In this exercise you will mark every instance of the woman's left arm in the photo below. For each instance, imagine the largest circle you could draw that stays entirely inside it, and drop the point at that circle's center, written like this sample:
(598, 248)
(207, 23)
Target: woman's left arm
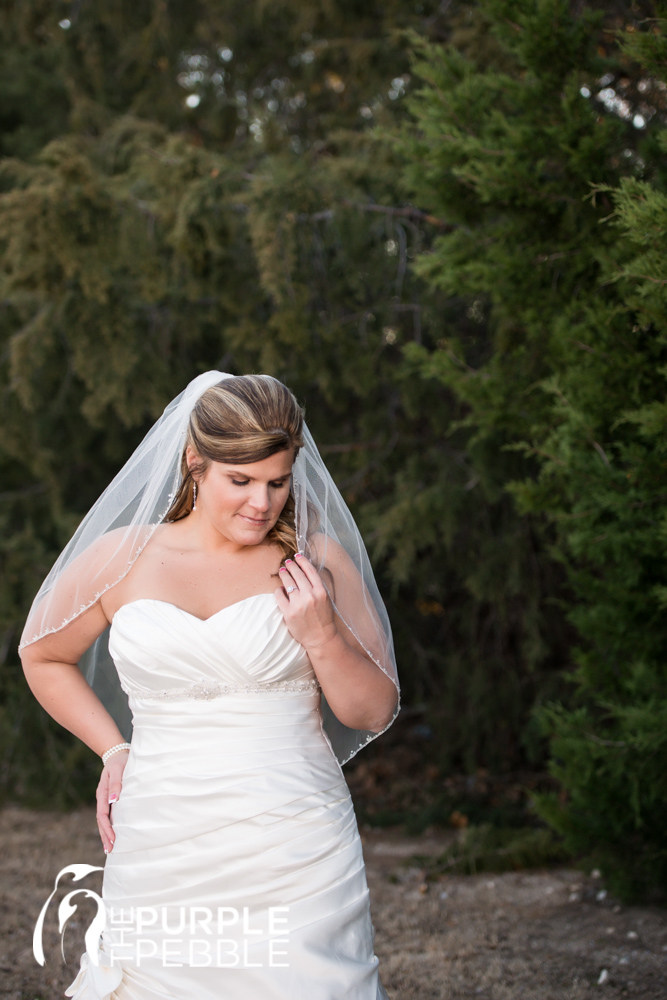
(358, 692)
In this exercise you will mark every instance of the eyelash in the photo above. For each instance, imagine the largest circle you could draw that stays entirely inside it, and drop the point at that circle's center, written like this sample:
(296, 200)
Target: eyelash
(245, 482)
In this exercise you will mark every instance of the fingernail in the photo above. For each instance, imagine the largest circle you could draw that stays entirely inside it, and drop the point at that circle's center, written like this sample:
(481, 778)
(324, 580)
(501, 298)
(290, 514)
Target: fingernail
(282, 570)
(113, 798)
(106, 850)
(298, 555)
(288, 561)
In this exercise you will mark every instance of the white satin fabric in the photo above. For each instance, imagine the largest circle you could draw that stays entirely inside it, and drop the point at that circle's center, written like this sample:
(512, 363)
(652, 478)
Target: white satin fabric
(232, 798)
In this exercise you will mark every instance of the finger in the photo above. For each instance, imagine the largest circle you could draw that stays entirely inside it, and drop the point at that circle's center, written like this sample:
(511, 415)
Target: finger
(104, 812)
(115, 785)
(105, 828)
(113, 782)
(307, 568)
(102, 793)
(302, 581)
(308, 578)
(287, 580)
(107, 835)
(281, 600)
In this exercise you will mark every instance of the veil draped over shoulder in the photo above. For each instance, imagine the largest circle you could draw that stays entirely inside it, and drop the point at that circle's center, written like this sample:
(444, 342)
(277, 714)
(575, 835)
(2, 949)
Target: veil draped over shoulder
(115, 531)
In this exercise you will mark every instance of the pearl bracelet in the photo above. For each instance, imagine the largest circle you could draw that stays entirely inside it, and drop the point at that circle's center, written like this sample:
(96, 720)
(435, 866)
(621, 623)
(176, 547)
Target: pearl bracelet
(115, 749)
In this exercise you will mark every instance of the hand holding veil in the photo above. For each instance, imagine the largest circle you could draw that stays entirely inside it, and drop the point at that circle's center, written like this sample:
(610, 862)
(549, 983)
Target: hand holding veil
(115, 531)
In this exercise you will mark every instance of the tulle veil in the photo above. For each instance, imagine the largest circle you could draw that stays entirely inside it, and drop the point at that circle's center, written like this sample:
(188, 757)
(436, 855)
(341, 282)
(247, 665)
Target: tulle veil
(115, 531)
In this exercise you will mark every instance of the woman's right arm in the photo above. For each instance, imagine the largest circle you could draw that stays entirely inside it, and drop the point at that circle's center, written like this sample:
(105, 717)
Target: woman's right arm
(51, 669)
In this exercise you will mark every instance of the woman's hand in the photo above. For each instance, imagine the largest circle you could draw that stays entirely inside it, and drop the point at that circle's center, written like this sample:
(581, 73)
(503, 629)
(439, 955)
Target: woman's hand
(305, 604)
(357, 691)
(108, 791)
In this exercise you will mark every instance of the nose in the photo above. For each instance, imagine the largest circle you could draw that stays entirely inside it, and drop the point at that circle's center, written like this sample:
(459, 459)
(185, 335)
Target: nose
(260, 500)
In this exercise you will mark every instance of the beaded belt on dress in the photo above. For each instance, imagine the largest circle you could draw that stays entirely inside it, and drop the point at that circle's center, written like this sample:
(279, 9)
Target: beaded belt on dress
(208, 689)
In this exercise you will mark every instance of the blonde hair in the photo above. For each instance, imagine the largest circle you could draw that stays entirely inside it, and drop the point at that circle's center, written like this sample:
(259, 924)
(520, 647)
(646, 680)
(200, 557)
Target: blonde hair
(241, 420)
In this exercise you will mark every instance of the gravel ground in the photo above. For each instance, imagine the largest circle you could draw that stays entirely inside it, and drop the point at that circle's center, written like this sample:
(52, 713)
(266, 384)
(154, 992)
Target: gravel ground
(542, 935)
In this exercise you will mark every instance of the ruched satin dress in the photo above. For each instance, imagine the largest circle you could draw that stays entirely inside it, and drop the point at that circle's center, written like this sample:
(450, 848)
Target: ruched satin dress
(237, 871)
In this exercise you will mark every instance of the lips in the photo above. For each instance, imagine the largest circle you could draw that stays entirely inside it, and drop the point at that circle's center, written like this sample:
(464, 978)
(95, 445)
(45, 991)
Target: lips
(257, 522)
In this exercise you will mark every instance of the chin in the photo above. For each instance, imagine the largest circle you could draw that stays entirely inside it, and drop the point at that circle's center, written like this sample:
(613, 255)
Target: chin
(252, 536)
(255, 531)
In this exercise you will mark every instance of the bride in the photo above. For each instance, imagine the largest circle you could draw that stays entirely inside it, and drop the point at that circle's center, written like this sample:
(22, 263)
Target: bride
(224, 575)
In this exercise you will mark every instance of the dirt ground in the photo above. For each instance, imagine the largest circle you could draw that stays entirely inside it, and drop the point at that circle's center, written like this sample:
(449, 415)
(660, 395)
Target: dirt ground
(539, 935)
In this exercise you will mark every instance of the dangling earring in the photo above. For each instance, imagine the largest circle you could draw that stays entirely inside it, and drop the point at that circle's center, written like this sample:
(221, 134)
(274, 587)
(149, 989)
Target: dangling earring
(194, 496)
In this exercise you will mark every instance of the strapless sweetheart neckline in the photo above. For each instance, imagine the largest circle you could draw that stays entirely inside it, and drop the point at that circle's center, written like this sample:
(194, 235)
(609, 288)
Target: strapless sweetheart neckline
(170, 604)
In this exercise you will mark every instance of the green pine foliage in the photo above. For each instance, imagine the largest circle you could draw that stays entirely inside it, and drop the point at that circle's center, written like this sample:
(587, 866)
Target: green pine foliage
(264, 228)
(610, 749)
(547, 160)
(486, 848)
(447, 232)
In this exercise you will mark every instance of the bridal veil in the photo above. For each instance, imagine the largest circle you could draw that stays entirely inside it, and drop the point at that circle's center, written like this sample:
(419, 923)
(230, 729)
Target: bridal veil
(115, 531)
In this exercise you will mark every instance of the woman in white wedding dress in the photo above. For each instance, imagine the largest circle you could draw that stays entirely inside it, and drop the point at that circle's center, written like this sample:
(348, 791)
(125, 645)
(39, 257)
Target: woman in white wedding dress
(234, 868)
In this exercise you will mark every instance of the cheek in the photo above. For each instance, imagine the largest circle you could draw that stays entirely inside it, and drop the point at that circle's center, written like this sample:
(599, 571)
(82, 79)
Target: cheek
(279, 502)
(226, 499)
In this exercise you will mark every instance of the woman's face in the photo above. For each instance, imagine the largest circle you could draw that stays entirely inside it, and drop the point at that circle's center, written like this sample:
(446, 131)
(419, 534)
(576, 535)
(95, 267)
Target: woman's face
(243, 502)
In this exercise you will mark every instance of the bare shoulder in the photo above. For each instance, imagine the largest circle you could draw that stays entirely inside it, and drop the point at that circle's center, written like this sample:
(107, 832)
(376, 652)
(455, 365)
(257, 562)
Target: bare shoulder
(169, 535)
(324, 551)
(72, 613)
(109, 559)
(334, 565)
(115, 547)
(331, 559)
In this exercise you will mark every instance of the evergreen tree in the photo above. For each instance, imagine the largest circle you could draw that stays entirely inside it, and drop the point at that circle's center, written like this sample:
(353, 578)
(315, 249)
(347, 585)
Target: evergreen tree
(547, 159)
(471, 314)
(218, 200)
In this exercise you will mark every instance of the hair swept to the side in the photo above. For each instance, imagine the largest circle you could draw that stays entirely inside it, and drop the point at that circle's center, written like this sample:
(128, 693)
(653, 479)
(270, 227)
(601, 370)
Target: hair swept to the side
(240, 420)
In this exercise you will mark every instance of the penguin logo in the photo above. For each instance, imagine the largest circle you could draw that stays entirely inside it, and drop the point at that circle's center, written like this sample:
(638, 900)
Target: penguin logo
(67, 909)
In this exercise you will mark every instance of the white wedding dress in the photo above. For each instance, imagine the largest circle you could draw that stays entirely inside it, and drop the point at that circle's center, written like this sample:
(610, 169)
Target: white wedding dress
(237, 871)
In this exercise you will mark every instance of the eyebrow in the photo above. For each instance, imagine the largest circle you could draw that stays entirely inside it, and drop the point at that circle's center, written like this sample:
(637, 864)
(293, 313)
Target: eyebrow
(244, 475)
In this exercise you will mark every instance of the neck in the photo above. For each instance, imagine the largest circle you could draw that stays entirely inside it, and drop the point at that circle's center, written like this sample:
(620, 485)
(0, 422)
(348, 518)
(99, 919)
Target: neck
(197, 532)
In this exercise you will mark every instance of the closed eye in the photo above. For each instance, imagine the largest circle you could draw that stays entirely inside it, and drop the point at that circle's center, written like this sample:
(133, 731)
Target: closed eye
(244, 482)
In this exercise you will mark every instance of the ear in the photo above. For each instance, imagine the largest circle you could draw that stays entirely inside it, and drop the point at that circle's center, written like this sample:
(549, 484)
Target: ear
(192, 458)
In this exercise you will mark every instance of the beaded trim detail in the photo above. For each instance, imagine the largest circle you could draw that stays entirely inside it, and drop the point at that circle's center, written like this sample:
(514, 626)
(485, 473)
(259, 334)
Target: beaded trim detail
(84, 607)
(208, 690)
